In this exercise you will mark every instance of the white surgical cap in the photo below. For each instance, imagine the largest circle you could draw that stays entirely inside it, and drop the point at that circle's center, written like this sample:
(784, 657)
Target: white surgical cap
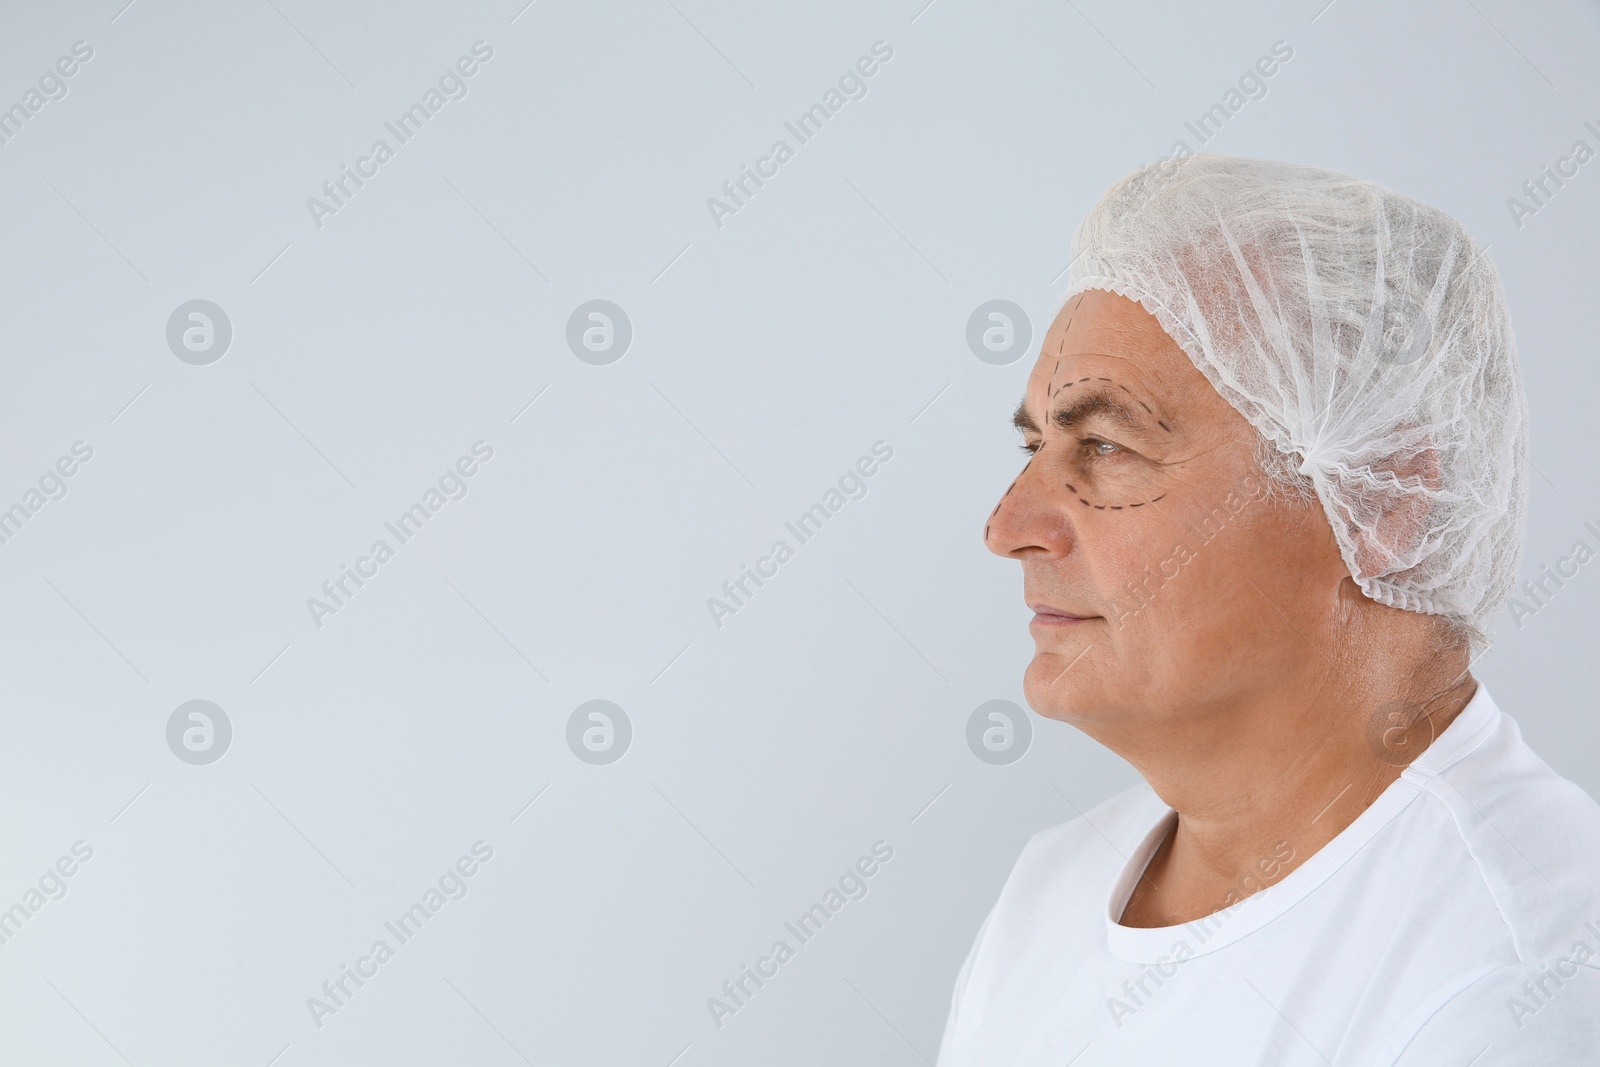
(1357, 329)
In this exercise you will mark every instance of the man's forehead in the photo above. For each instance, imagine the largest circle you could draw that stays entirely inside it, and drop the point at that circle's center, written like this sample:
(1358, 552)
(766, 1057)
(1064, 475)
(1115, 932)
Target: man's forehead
(1054, 374)
(1136, 355)
(1109, 325)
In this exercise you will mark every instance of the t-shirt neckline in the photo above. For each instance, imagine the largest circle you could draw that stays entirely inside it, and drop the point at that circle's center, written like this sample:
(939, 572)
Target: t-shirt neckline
(1222, 928)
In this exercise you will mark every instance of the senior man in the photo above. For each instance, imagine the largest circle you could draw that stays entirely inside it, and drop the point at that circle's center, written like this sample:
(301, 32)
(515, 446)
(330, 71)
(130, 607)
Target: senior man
(1276, 496)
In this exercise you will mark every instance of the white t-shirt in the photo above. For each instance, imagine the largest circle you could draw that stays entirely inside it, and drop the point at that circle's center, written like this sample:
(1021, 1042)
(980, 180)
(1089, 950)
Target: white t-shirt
(1456, 921)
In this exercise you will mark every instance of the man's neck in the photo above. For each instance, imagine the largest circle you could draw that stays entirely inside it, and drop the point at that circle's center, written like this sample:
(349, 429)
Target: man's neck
(1268, 788)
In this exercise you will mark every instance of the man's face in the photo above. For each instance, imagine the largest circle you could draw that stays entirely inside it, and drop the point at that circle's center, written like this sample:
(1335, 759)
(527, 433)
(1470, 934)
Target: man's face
(1164, 580)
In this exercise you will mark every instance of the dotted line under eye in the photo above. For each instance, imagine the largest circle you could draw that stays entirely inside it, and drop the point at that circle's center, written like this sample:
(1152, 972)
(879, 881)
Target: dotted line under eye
(1071, 488)
(1112, 507)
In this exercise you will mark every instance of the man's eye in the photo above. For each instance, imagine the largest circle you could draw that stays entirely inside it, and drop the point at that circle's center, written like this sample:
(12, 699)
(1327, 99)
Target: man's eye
(1093, 445)
(1098, 447)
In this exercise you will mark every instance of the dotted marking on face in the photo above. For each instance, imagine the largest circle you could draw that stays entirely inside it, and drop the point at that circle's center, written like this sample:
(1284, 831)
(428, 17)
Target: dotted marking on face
(1115, 507)
(1131, 395)
(1061, 344)
(1053, 389)
(1005, 494)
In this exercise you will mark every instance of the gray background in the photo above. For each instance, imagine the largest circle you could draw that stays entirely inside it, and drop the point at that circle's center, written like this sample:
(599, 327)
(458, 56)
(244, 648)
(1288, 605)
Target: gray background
(767, 356)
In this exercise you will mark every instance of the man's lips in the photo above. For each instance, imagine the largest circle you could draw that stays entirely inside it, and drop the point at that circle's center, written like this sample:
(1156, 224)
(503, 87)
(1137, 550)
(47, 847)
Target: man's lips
(1050, 615)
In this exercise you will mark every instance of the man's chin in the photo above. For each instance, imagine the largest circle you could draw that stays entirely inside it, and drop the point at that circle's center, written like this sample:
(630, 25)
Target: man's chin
(1063, 684)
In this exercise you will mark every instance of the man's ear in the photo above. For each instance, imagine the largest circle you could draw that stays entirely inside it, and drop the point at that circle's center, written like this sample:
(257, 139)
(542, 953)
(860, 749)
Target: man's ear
(1395, 526)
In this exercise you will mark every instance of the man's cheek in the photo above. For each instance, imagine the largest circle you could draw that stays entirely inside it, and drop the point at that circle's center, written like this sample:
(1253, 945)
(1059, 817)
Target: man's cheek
(1122, 559)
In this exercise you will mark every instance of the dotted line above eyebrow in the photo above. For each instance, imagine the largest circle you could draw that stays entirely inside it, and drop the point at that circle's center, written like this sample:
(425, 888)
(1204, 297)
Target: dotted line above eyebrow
(1092, 378)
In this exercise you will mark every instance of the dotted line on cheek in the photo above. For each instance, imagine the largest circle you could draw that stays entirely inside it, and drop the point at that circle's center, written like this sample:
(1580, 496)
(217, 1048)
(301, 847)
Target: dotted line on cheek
(1115, 507)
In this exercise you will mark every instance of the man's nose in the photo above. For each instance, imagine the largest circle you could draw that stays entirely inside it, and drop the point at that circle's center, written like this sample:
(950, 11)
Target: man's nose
(1031, 519)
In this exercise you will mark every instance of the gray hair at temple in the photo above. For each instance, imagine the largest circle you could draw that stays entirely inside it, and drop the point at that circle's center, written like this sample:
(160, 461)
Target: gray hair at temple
(1365, 337)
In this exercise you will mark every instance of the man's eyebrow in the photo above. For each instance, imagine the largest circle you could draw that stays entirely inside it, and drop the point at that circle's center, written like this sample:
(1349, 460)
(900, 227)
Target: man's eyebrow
(1081, 408)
